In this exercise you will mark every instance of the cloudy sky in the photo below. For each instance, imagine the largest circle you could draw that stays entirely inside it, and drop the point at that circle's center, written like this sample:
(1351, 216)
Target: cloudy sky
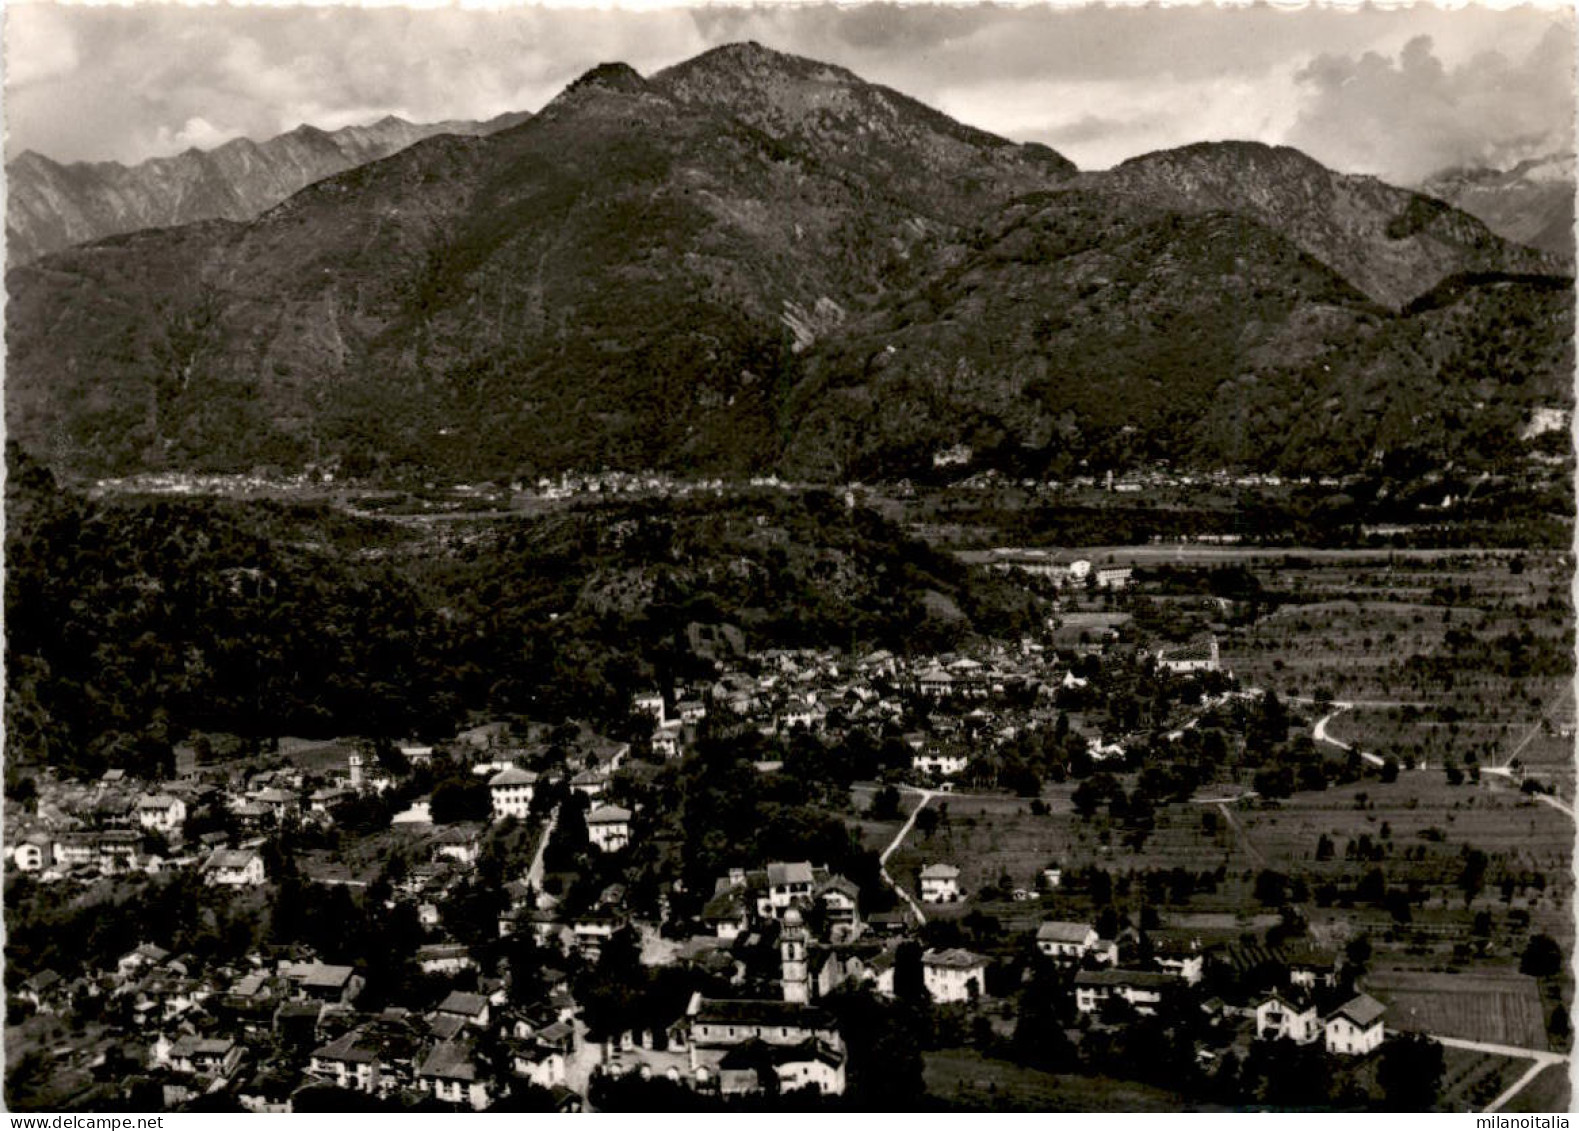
(1399, 92)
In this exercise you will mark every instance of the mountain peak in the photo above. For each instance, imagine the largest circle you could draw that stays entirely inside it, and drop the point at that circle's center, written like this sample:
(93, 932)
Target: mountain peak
(620, 77)
(749, 63)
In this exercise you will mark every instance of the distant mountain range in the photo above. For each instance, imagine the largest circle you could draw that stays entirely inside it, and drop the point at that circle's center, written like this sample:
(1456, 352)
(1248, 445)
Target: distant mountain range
(755, 261)
(1532, 203)
(51, 206)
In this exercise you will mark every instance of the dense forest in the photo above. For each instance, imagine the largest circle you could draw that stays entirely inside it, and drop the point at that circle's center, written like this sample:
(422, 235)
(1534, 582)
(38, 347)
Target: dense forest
(133, 623)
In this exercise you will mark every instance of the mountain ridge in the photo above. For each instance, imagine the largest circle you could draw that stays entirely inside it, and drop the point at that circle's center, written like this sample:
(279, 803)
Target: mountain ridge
(704, 269)
(53, 205)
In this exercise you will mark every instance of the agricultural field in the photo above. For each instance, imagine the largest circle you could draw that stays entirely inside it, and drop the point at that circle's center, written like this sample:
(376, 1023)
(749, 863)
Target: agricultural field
(1551, 1090)
(1471, 1080)
(1467, 657)
(990, 837)
(967, 1079)
(1498, 1007)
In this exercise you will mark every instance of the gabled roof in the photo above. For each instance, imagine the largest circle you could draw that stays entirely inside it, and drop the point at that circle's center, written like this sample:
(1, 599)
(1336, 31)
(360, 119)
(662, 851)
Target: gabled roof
(940, 872)
(231, 858)
(743, 1011)
(797, 873)
(1140, 979)
(513, 776)
(449, 1060)
(463, 1004)
(354, 1047)
(953, 959)
(160, 801)
(1056, 930)
(608, 815)
(1363, 1010)
(320, 975)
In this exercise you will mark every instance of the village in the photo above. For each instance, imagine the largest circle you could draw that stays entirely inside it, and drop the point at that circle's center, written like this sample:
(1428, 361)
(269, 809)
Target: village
(726, 989)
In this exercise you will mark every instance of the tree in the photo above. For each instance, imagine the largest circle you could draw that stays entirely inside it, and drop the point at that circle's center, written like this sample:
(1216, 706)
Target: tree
(1086, 797)
(1473, 876)
(1410, 1072)
(1543, 958)
(1271, 887)
(909, 985)
(885, 805)
(457, 800)
(1390, 769)
(927, 822)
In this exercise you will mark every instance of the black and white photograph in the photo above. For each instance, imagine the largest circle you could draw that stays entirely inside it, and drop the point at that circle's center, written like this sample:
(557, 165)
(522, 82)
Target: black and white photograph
(809, 558)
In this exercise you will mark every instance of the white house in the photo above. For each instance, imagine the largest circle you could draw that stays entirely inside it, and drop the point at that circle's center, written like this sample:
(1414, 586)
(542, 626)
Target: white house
(609, 827)
(1356, 1028)
(944, 764)
(939, 883)
(954, 975)
(161, 812)
(1142, 989)
(32, 855)
(450, 1074)
(512, 793)
(1200, 656)
(1065, 940)
(666, 740)
(788, 885)
(649, 703)
(1287, 1017)
(234, 868)
(1114, 577)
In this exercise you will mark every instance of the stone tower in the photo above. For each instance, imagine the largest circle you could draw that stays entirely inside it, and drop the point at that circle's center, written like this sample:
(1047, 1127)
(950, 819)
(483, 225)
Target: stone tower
(792, 951)
(356, 769)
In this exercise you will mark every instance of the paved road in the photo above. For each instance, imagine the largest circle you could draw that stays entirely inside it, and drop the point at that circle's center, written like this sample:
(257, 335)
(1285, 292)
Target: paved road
(1542, 1059)
(1544, 798)
(534, 871)
(1319, 733)
(899, 838)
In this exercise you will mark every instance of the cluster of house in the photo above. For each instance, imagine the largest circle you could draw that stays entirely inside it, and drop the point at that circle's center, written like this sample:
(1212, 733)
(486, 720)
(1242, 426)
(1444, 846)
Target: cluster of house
(1313, 1004)
(234, 1029)
(984, 691)
(111, 828)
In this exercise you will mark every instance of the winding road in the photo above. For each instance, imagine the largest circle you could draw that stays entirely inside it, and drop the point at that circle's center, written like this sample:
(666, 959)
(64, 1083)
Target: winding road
(899, 838)
(1541, 1060)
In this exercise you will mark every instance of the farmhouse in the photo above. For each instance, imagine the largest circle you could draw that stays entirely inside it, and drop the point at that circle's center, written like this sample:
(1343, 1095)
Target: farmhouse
(1142, 989)
(1287, 1017)
(1065, 940)
(609, 827)
(942, 763)
(939, 883)
(161, 812)
(511, 791)
(1116, 577)
(319, 981)
(789, 885)
(1199, 656)
(234, 868)
(953, 975)
(1356, 1028)
(450, 1074)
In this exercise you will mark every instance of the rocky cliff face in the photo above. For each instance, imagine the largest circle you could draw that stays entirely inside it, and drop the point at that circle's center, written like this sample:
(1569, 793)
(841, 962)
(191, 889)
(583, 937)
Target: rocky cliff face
(52, 206)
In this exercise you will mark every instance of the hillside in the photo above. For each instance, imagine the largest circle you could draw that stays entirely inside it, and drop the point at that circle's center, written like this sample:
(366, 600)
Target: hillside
(704, 271)
(51, 205)
(1392, 244)
(1531, 203)
(1090, 332)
